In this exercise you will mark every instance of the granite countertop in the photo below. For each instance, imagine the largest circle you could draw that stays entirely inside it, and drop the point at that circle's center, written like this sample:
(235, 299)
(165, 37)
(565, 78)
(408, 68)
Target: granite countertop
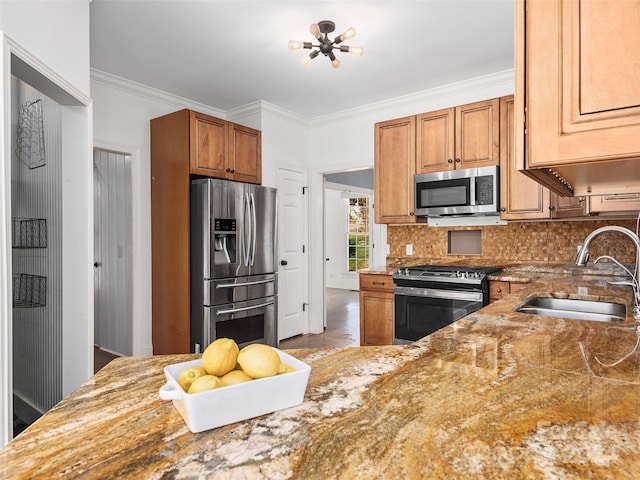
(498, 394)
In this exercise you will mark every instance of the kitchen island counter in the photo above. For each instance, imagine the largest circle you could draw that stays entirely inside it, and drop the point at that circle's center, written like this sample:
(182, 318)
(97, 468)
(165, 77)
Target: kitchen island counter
(498, 394)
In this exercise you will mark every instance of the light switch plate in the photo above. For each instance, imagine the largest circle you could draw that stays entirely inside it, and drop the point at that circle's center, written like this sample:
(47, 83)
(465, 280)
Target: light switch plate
(409, 249)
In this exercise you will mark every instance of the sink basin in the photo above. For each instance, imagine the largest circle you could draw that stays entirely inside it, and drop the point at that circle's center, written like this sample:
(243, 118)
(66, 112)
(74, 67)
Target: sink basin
(575, 309)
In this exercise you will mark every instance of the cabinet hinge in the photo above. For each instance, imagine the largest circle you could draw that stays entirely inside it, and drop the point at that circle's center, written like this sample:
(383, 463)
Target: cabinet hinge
(304, 190)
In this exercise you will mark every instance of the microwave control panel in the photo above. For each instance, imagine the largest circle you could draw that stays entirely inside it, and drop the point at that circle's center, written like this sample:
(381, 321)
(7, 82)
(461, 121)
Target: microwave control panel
(484, 190)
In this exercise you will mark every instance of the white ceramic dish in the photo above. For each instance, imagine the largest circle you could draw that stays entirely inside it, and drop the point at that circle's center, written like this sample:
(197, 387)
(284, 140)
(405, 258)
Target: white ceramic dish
(221, 406)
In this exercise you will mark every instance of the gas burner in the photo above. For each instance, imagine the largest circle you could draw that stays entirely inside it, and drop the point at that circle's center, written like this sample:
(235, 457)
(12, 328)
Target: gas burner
(444, 273)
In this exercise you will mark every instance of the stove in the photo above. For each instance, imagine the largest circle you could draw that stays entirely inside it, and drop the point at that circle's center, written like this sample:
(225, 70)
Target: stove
(455, 274)
(430, 297)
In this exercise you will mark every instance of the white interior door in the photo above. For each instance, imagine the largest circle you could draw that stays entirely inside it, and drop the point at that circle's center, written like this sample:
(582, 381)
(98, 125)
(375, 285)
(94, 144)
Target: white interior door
(292, 279)
(112, 251)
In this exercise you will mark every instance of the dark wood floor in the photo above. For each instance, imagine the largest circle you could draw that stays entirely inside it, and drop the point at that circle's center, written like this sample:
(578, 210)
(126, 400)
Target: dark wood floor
(343, 323)
(101, 358)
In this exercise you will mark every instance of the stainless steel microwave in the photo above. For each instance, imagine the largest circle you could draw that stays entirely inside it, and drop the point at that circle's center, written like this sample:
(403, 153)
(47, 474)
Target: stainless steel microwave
(469, 191)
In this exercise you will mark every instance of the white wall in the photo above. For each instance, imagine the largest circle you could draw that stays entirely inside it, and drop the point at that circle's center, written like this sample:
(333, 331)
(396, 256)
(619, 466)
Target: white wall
(54, 31)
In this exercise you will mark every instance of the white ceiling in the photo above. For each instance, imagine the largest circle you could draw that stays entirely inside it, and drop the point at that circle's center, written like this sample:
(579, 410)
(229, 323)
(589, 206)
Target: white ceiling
(227, 54)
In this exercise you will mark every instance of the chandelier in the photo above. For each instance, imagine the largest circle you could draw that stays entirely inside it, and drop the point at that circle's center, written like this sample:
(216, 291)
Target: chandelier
(326, 46)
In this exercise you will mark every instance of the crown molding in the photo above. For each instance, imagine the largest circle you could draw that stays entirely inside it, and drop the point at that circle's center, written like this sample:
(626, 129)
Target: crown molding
(498, 80)
(260, 107)
(504, 80)
(151, 93)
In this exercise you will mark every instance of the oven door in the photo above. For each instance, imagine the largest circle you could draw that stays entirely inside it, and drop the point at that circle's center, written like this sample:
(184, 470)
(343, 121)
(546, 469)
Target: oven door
(421, 311)
(247, 322)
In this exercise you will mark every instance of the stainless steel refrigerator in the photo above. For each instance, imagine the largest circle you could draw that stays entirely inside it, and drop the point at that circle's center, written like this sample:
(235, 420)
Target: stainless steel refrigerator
(234, 287)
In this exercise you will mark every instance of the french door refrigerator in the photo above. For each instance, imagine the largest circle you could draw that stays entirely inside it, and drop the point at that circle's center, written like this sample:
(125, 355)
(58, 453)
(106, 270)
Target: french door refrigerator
(234, 287)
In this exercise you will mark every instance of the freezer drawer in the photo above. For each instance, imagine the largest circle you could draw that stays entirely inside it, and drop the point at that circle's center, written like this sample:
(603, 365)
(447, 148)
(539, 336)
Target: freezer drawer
(238, 289)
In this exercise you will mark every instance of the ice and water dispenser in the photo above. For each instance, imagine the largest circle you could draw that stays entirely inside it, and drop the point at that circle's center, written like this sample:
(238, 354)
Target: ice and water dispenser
(224, 241)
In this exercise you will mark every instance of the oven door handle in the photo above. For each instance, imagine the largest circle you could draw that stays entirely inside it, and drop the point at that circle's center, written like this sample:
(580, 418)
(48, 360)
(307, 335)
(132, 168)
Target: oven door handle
(244, 309)
(245, 284)
(435, 293)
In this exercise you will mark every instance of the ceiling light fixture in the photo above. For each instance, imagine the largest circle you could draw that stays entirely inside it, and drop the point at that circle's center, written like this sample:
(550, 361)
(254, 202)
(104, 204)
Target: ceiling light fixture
(321, 31)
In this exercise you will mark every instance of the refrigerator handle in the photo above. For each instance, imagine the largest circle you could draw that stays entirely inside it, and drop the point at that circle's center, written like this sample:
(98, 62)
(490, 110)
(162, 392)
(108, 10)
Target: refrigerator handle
(246, 248)
(255, 228)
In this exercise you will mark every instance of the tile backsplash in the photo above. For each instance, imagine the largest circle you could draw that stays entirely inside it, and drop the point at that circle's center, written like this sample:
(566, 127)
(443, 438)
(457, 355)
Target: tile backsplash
(518, 241)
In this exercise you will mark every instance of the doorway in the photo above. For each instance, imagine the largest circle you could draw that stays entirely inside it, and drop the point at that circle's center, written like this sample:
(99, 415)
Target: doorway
(352, 241)
(112, 189)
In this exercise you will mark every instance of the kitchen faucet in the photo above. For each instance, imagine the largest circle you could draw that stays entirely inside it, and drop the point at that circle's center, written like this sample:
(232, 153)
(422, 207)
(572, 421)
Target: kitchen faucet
(583, 258)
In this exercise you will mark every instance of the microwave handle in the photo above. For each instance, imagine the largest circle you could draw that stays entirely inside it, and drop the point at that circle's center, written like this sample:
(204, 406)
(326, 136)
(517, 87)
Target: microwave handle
(473, 191)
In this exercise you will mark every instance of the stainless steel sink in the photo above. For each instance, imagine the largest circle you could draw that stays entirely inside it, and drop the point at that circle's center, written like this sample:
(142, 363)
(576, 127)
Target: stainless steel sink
(575, 309)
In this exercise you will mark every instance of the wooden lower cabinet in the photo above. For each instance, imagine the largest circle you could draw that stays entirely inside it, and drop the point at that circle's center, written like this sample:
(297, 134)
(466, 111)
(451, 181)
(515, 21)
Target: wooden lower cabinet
(498, 289)
(376, 309)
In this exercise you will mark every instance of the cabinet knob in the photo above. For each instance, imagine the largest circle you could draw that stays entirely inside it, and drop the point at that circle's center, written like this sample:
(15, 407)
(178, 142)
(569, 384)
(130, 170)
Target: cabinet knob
(378, 283)
(233, 171)
(457, 160)
(450, 161)
(228, 170)
(503, 209)
(411, 214)
(552, 208)
(499, 290)
(283, 262)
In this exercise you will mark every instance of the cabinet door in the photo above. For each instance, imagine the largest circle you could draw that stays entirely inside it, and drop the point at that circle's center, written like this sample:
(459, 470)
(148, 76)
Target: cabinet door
(208, 145)
(394, 168)
(478, 134)
(435, 141)
(521, 197)
(578, 81)
(245, 155)
(567, 207)
(615, 203)
(376, 318)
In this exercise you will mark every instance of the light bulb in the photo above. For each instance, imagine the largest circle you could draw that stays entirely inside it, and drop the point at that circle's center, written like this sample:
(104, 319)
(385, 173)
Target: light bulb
(315, 31)
(336, 63)
(348, 33)
(295, 45)
(358, 51)
(308, 58)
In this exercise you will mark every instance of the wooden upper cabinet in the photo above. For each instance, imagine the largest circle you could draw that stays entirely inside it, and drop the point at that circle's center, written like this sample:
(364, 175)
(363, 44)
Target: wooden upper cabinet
(394, 168)
(435, 140)
(208, 140)
(224, 149)
(521, 197)
(467, 136)
(621, 203)
(245, 154)
(577, 80)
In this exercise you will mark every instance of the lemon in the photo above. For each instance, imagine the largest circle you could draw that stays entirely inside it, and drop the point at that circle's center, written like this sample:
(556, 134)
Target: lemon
(235, 376)
(220, 357)
(259, 361)
(188, 375)
(285, 368)
(204, 383)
